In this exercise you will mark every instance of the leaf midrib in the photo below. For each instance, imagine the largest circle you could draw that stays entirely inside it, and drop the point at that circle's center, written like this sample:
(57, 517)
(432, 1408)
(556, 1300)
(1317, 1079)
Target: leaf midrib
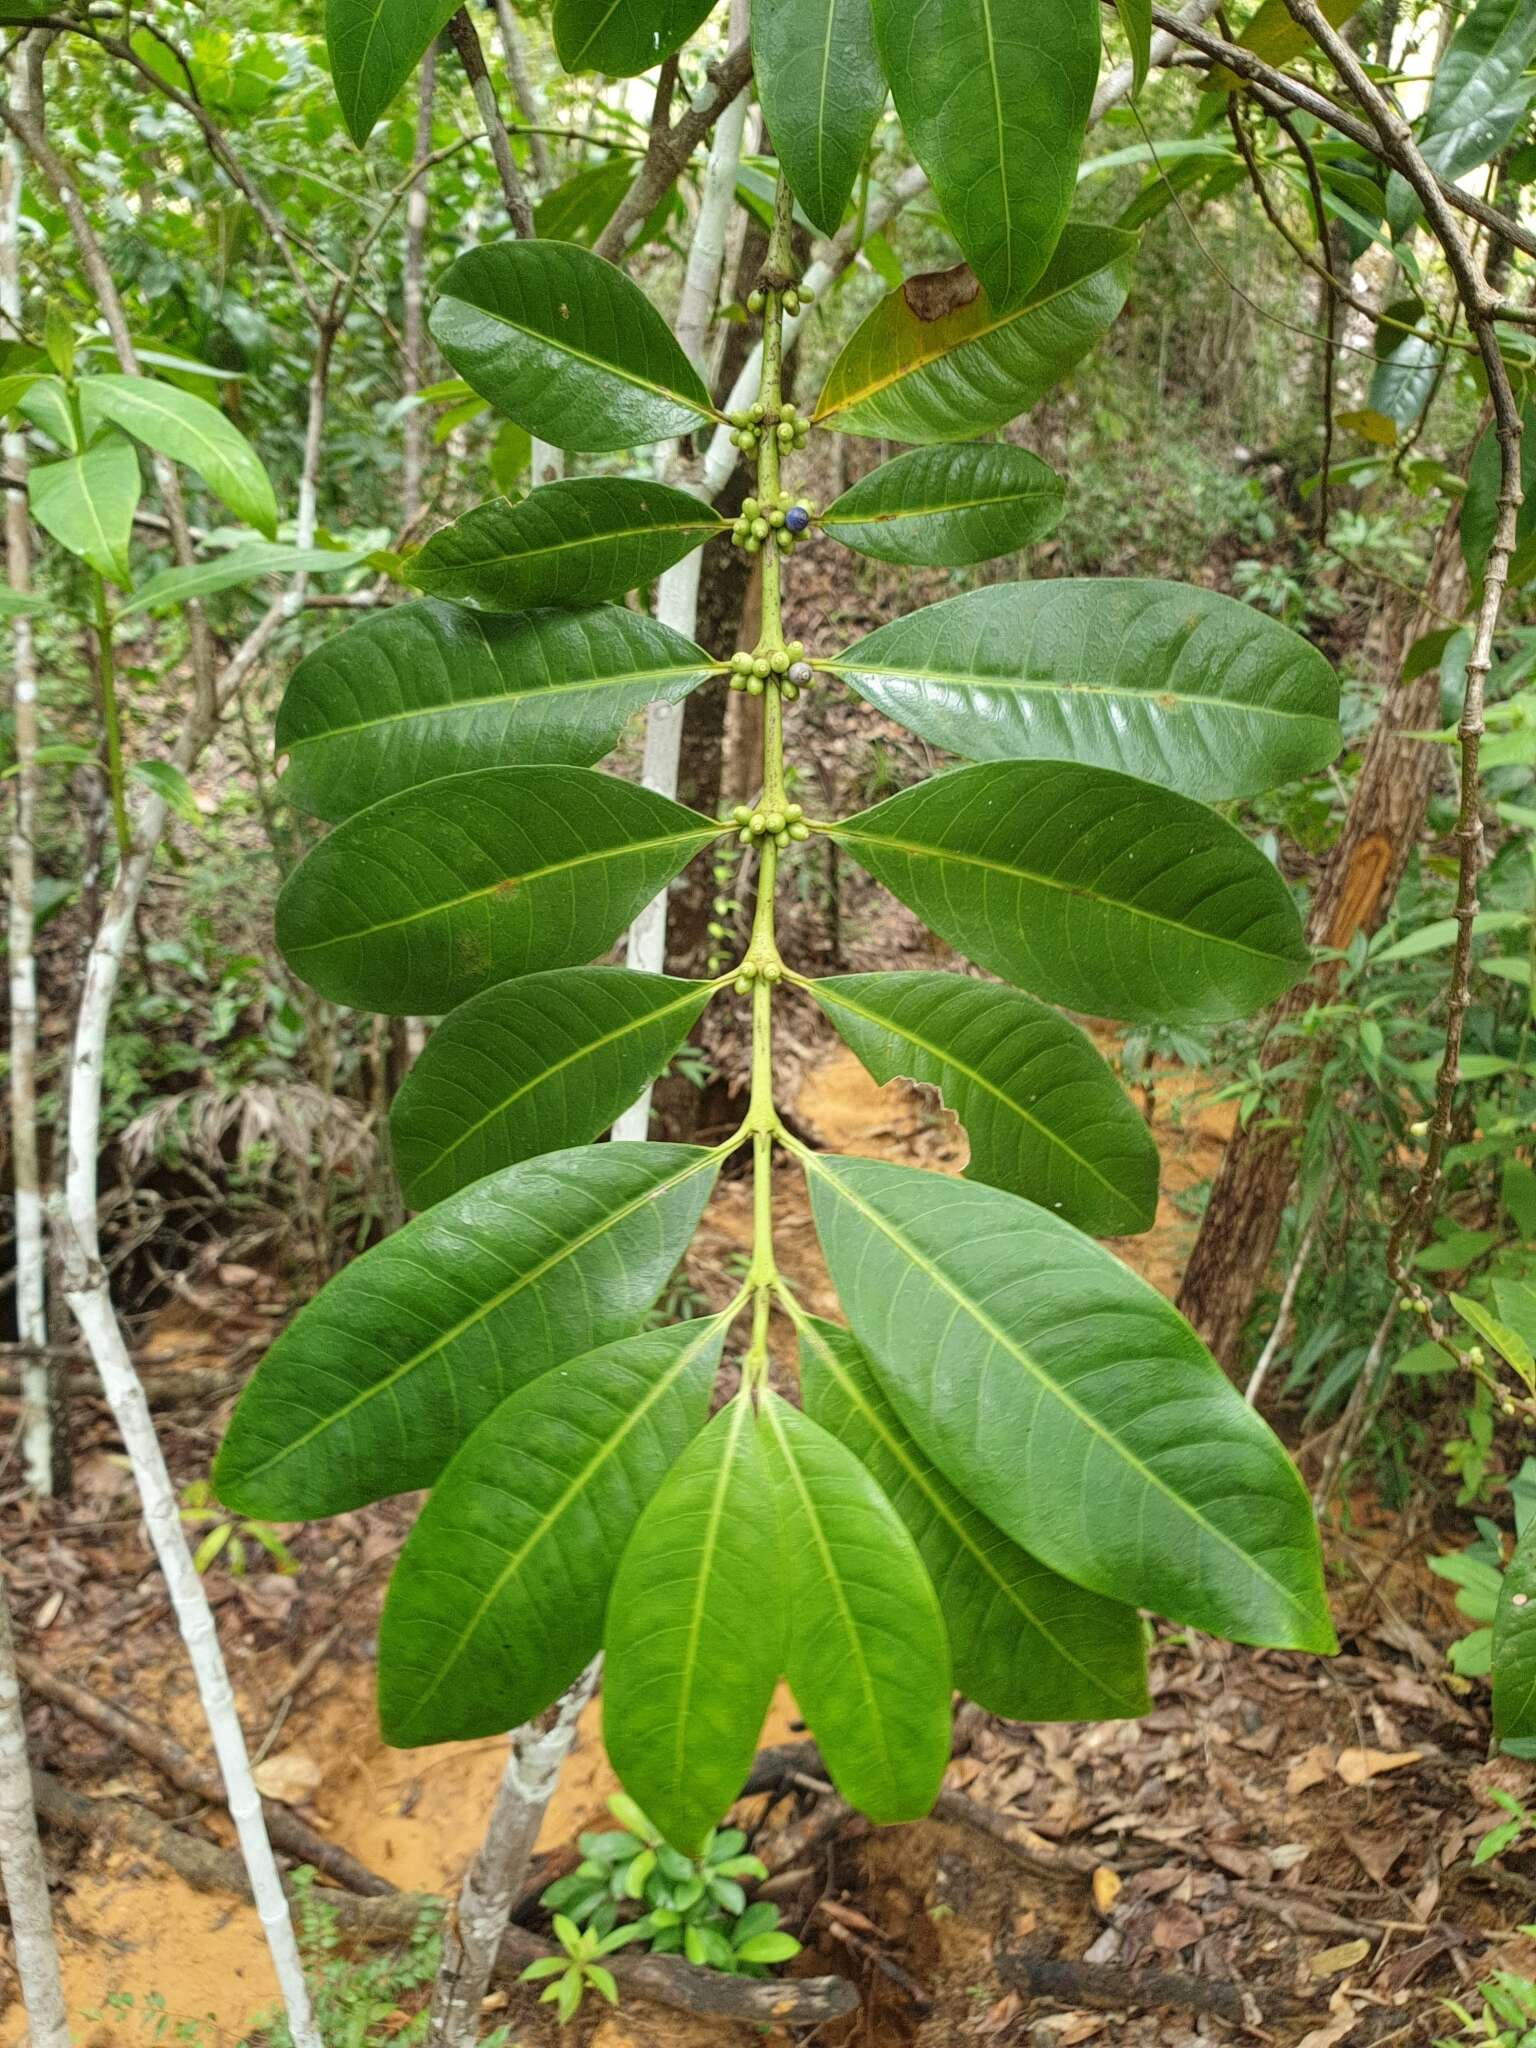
(855, 1396)
(568, 1249)
(916, 850)
(1170, 700)
(969, 1073)
(832, 517)
(1050, 1387)
(706, 1555)
(705, 523)
(609, 1448)
(561, 867)
(580, 355)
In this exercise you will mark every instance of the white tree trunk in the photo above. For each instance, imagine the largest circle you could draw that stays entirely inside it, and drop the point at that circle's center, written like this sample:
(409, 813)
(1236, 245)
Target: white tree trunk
(473, 1931)
(37, 1446)
(21, 1863)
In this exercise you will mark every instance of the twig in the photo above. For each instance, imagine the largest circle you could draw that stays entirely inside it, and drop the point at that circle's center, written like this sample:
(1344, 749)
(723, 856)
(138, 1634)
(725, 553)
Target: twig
(1282, 1329)
(472, 57)
(286, 1828)
(1065, 1866)
(21, 1865)
(670, 149)
(1109, 1986)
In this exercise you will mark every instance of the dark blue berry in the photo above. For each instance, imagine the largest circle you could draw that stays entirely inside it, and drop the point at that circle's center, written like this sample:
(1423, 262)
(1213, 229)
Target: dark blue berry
(797, 519)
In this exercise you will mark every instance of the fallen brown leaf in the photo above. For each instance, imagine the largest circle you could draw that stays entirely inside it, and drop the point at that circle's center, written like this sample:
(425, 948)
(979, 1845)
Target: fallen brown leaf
(1332, 1962)
(1313, 1768)
(1106, 1889)
(1355, 1766)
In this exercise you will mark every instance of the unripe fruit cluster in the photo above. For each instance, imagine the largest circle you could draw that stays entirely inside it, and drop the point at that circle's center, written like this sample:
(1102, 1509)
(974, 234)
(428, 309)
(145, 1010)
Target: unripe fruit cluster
(794, 297)
(779, 826)
(750, 672)
(783, 521)
(772, 971)
(789, 428)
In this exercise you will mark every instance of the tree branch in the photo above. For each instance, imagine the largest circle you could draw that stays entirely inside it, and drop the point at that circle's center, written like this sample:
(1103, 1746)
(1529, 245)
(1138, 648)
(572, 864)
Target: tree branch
(671, 148)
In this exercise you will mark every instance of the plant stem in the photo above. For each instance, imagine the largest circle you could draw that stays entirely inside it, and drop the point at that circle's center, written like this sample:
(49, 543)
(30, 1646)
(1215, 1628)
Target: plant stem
(107, 670)
(762, 958)
(22, 1867)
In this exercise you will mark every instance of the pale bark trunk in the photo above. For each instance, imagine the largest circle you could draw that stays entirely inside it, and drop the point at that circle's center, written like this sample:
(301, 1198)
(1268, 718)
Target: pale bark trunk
(40, 1461)
(525, 92)
(21, 1863)
(473, 1931)
(1386, 813)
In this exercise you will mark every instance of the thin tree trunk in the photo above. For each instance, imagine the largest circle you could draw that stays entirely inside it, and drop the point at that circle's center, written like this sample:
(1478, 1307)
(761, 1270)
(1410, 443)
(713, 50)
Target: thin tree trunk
(525, 92)
(41, 1462)
(413, 325)
(1385, 816)
(473, 1930)
(21, 1863)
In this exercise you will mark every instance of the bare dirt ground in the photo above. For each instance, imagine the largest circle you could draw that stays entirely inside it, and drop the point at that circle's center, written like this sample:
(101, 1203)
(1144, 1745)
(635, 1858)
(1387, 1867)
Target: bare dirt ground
(1293, 1834)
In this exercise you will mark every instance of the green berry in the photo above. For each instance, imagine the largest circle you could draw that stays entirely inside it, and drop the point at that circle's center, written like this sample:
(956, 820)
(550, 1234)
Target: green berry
(749, 508)
(788, 692)
(759, 822)
(754, 686)
(774, 820)
(781, 840)
(750, 546)
(786, 541)
(743, 986)
(796, 650)
(772, 971)
(794, 813)
(761, 529)
(761, 666)
(807, 296)
(755, 410)
(742, 813)
(754, 302)
(745, 835)
(799, 831)
(778, 661)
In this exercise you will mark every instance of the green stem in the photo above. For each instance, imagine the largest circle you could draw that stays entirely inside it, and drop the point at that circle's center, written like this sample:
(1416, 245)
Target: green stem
(107, 668)
(762, 957)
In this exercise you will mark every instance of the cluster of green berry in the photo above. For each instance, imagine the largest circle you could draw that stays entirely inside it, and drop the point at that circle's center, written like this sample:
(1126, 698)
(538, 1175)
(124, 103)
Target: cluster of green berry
(750, 672)
(772, 971)
(779, 826)
(782, 522)
(792, 299)
(789, 427)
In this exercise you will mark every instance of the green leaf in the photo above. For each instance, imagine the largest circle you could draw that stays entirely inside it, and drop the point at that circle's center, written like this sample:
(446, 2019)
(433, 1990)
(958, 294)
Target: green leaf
(822, 89)
(867, 1658)
(531, 1066)
(170, 785)
(15, 604)
(498, 1598)
(1479, 93)
(421, 901)
(188, 430)
(374, 46)
(244, 564)
(571, 543)
(695, 1635)
(949, 506)
(994, 96)
(1088, 888)
(1045, 1116)
(623, 37)
(372, 1388)
(45, 402)
(1480, 507)
(87, 503)
(935, 361)
(424, 690)
(1027, 1643)
(1136, 20)
(1499, 1336)
(1276, 37)
(1514, 1646)
(1071, 1403)
(567, 346)
(773, 1947)
(1436, 936)
(1181, 686)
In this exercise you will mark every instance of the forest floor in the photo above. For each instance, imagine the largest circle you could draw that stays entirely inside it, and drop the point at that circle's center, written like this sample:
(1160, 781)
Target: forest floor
(1298, 1829)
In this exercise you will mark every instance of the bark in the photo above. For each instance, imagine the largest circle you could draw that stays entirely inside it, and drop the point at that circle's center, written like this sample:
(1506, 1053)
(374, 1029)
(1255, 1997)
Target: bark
(475, 1929)
(526, 93)
(1386, 810)
(42, 1460)
(513, 191)
(413, 322)
(21, 1864)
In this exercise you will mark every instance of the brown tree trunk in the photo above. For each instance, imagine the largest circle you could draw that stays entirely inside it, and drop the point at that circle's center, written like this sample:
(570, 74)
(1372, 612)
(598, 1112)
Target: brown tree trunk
(1386, 812)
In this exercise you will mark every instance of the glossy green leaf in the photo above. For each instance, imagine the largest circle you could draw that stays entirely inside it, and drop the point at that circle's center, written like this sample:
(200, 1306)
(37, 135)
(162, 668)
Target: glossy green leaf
(994, 96)
(935, 361)
(45, 402)
(1136, 20)
(419, 902)
(87, 503)
(1481, 90)
(1181, 686)
(1088, 888)
(696, 1629)
(188, 430)
(571, 543)
(623, 37)
(498, 1598)
(949, 506)
(1480, 507)
(377, 1382)
(530, 1066)
(866, 1658)
(1070, 1402)
(423, 690)
(1027, 1643)
(567, 346)
(822, 89)
(374, 46)
(246, 564)
(1045, 1116)
(1514, 1646)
